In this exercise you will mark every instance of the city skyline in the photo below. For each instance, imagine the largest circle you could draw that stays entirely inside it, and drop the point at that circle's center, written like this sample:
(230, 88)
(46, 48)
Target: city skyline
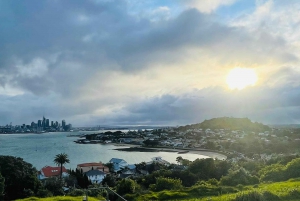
(160, 62)
(41, 125)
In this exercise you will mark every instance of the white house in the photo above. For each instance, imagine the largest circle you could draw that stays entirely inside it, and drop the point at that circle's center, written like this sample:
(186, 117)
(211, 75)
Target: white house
(95, 176)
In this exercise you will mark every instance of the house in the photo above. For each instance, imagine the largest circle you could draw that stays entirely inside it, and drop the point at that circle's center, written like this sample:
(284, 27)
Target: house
(95, 176)
(48, 172)
(85, 167)
(159, 159)
(126, 173)
(120, 164)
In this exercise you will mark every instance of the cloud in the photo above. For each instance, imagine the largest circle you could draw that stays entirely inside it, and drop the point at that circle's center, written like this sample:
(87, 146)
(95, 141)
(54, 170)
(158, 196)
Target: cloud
(104, 60)
(208, 6)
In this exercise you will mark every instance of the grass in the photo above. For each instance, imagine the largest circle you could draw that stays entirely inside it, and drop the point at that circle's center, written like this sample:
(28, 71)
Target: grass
(60, 198)
(279, 191)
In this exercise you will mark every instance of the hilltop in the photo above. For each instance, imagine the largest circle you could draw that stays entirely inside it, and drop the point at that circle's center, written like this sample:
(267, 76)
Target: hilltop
(230, 123)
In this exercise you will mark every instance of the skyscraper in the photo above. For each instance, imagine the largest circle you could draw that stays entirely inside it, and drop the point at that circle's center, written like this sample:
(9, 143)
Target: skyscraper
(47, 123)
(44, 122)
(63, 123)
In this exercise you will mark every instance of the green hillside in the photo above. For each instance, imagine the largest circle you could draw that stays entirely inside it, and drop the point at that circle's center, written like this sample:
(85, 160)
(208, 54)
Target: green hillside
(231, 123)
(279, 191)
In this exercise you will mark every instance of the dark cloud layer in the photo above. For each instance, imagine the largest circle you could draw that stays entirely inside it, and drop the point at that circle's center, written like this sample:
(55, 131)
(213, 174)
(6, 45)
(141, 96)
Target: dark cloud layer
(51, 50)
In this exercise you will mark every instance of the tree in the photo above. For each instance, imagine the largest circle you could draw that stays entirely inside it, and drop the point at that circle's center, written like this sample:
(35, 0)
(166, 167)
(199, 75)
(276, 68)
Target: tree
(179, 159)
(61, 159)
(109, 180)
(151, 142)
(19, 176)
(127, 186)
(1, 186)
(55, 186)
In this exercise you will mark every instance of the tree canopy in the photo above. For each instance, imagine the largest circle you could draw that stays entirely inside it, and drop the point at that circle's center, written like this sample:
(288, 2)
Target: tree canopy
(60, 160)
(19, 177)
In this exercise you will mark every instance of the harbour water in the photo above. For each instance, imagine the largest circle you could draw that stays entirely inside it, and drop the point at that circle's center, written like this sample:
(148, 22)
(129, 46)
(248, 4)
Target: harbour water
(40, 150)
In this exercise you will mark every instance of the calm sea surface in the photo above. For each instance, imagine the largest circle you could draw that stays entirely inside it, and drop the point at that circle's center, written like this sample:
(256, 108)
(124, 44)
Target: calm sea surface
(40, 150)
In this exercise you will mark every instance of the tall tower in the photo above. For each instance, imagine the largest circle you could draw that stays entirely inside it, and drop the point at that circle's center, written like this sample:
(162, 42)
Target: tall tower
(63, 123)
(44, 122)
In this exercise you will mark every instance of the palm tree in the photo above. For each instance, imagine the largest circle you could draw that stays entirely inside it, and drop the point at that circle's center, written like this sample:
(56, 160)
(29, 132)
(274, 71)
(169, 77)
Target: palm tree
(61, 159)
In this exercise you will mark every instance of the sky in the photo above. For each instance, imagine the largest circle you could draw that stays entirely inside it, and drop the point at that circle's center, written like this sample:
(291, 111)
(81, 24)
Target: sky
(150, 62)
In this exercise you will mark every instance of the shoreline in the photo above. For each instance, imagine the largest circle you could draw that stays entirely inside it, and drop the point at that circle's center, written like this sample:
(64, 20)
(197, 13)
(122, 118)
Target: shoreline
(139, 148)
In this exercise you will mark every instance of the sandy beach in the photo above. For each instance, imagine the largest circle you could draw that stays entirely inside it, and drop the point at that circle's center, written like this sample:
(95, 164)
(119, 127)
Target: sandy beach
(209, 153)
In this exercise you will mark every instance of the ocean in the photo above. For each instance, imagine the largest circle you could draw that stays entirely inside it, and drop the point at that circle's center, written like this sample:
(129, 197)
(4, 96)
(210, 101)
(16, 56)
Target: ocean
(40, 150)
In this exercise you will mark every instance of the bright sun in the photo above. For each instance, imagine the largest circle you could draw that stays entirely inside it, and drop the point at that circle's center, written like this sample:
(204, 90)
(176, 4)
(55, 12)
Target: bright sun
(239, 78)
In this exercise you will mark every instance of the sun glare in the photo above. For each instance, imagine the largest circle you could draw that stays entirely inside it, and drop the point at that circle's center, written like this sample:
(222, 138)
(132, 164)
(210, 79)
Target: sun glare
(239, 78)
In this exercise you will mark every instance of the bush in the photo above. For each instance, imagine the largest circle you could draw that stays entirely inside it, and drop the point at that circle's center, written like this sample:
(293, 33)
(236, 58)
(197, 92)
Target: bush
(270, 196)
(294, 194)
(274, 172)
(251, 196)
(292, 168)
(127, 186)
(167, 195)
(55, 185)
(240, 176)
(43, 193)
(76, 192)
(163, 183)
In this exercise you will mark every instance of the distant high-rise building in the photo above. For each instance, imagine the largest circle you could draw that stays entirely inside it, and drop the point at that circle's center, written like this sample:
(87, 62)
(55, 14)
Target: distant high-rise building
(47, 123)
(44, 122)
(52, 125)
(56, 124)
(63, 123)
(33, 124)
(39, 123)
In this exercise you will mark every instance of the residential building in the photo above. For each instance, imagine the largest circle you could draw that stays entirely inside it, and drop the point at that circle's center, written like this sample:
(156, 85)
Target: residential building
(48, 172)
(85, 167)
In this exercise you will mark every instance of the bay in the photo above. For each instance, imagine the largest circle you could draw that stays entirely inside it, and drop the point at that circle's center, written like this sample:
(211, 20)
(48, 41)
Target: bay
(40, 150)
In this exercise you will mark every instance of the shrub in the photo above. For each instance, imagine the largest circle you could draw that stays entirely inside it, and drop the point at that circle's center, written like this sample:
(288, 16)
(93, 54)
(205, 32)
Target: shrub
(43, 193)
(294, 194)
(126, 186)
(240, 176)
(274, 172)
(167, 195)
(292, 168)
(250, 196)
(163, 183)
(76, 192)
(206, 190)
(270, 196)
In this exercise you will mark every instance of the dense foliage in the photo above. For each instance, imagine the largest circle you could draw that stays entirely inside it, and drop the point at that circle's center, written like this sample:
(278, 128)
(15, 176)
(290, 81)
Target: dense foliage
(163, 183)
(20, 177)
(1, 186)
(127, 186)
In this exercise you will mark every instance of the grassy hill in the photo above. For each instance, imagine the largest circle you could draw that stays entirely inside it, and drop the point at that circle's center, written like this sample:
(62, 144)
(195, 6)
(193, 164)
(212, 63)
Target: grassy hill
(279, 191)
(231, 123)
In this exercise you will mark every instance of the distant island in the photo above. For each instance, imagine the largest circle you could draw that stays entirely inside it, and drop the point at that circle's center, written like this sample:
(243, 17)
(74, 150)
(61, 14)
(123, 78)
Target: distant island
(231, 123)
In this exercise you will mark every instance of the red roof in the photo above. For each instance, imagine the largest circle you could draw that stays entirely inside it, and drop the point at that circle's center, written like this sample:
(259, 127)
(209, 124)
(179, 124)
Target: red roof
(52, 171)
